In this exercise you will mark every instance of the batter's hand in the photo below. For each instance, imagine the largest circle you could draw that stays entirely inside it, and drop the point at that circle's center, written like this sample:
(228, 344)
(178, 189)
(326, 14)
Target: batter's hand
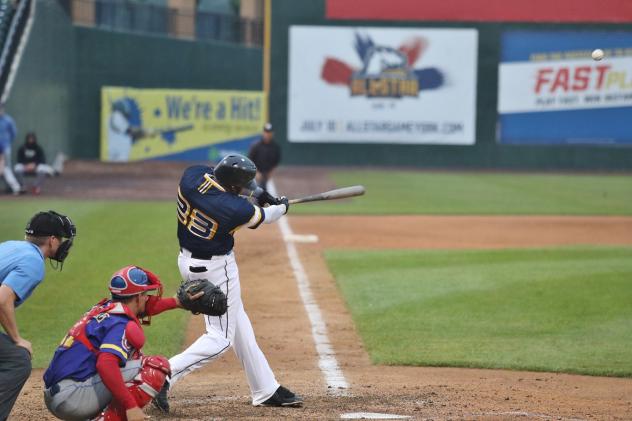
(25, 344)
(266, 198)
(136, 414)
(284, 201)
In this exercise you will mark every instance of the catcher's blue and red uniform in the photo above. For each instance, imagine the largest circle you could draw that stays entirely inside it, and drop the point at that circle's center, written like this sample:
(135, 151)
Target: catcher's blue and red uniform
(208, 216)
(99, 364)
(105, 329)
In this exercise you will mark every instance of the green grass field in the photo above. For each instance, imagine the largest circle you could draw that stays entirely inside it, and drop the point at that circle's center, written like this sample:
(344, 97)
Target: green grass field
(555, 309)
(406, 192)
(110, 235)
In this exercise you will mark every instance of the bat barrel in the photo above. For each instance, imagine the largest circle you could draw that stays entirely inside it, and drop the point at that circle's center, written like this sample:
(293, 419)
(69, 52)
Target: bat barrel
(332, 194)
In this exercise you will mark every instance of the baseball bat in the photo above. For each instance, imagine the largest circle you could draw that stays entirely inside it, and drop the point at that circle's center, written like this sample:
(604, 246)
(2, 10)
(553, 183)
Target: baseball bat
(156, 132)
(331, 194)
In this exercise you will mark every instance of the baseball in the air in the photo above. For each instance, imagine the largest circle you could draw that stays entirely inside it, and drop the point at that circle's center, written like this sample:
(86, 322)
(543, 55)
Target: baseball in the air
(597, 54)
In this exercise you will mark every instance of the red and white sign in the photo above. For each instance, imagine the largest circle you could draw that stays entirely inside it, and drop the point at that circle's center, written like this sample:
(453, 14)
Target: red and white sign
(564, 85)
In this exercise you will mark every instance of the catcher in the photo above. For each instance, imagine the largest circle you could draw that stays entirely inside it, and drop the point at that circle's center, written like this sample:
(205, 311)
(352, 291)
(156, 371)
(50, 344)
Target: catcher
(99, 369)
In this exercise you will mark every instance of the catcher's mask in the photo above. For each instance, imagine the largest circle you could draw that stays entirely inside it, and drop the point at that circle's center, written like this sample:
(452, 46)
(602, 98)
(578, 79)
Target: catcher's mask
(133, 280)
(236, 172)
(51, 223)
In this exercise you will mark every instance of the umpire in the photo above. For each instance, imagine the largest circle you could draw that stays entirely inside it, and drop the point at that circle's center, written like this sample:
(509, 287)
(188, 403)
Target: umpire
(266, 154)
(48, 235)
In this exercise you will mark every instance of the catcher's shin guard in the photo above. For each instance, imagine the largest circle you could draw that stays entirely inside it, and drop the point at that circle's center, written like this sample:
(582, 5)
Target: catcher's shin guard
(153, 373)
(145, 386)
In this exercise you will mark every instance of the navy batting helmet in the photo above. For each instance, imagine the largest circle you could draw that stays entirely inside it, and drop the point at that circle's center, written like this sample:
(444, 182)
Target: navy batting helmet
(235, 172)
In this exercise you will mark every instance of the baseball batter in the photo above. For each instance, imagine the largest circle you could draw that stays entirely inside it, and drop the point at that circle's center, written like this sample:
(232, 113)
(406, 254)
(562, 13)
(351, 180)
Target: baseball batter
(210, 210)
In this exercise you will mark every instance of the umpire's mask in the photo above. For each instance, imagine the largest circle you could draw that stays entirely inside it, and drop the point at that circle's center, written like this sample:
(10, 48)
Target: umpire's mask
(51, 223)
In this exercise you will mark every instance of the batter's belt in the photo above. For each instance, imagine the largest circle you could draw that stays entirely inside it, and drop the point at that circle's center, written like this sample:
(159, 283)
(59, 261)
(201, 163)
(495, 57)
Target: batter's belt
(200, 255)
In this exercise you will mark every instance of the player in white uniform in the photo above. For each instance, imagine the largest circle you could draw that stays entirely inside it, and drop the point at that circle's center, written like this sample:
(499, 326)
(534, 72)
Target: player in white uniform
(210, 210)
(119, 137)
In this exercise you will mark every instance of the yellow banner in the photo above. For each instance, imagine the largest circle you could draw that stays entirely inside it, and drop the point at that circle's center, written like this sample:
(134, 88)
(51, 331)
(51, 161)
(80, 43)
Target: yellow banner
(139, 124)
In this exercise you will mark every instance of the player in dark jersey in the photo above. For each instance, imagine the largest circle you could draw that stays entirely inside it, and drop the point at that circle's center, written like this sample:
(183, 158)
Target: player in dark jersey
(210, 210)
(99, 365)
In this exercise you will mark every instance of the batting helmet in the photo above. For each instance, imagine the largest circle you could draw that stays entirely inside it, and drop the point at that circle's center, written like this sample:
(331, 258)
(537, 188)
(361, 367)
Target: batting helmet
(235, 172)
(132, 280)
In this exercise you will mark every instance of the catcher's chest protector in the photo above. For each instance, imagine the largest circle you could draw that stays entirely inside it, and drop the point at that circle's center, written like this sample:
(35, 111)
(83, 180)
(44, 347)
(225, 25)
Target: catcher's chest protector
(100, 311)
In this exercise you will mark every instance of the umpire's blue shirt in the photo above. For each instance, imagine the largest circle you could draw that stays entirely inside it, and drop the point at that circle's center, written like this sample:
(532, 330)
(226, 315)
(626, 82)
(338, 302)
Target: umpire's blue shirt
(21, 268)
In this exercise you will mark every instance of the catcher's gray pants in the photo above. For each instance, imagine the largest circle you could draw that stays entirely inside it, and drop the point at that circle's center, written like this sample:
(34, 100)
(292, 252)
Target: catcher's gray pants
(73, 400)
(15, 369)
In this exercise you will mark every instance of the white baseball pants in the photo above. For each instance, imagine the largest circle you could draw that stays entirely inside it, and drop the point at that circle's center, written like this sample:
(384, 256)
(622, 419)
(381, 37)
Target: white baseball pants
(5, 167)
(231, 329)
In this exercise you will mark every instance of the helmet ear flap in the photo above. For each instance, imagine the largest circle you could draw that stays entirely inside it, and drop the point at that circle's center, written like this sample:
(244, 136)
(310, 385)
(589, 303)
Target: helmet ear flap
(252, 185)
(235, 172)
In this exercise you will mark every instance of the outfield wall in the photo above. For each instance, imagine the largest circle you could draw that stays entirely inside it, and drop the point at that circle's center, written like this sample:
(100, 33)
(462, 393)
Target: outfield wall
(56, 92)
(42, 98)
(58, 86)
(487, 150)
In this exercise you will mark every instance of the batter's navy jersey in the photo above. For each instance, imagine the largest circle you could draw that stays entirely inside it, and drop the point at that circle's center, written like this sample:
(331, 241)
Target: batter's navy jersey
(208, 215)
(72, 360)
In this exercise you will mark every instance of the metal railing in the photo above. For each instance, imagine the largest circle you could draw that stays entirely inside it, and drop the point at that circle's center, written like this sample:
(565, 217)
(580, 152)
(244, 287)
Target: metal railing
(14, 42)
(133, 16)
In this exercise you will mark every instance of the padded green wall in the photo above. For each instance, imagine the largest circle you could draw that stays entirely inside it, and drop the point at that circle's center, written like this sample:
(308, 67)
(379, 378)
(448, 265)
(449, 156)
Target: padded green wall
(58, 87)
(486, 153)
(106, 58)
(43, 93)
(57, 91)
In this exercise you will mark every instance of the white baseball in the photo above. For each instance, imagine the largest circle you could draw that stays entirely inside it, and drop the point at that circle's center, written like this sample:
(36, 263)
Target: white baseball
(597, 54)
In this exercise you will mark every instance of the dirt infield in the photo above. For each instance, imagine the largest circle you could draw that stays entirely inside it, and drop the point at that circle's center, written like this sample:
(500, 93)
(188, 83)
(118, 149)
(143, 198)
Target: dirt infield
(271, 297)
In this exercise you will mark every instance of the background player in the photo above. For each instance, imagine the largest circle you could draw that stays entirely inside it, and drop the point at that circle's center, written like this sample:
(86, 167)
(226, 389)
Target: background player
(8, 131)
(102, 352)
(266, 154)
(48, 235)
(32, 161)
(210, 210)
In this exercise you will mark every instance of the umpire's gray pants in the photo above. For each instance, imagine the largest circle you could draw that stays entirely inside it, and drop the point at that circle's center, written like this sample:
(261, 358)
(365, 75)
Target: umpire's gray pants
(15, 368)
(74, 400)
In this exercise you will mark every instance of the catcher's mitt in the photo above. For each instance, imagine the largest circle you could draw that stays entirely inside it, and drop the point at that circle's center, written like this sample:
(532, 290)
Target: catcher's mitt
(212, 302)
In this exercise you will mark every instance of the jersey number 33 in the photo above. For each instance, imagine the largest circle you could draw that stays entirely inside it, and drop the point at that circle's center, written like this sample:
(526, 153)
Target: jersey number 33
(196, 221)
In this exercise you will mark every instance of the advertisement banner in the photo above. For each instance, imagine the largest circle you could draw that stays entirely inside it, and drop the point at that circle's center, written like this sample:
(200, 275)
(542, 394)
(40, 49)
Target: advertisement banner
(579, 11)
(551, 91)
(170, 124)
(377, 85)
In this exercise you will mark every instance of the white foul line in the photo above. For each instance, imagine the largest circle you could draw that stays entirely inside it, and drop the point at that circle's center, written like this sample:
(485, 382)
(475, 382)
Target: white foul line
(326, 356)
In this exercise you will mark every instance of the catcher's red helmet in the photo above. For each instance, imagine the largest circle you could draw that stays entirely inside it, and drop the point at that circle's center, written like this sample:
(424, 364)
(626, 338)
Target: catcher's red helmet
(132, 280)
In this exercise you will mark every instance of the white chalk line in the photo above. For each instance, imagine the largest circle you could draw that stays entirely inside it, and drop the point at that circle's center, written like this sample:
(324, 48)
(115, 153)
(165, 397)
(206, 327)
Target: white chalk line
(335, 379)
